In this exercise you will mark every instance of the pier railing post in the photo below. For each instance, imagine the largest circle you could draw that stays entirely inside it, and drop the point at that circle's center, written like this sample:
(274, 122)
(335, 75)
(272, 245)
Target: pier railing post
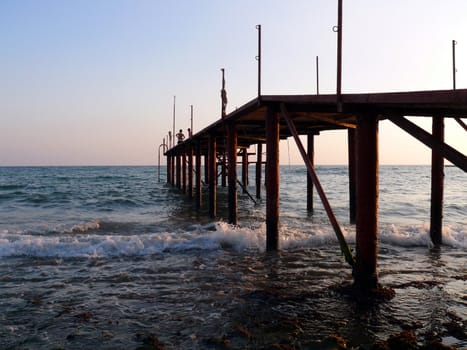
(365, 272)
(232, 172)
(212, 173)
(437, 183)
(272, 180)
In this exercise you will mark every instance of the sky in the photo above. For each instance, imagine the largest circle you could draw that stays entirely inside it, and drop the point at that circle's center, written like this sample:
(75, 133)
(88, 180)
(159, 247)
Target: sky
(92, 82)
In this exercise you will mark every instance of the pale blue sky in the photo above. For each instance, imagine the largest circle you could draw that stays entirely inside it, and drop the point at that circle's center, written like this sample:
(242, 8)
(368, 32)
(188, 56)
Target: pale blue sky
(91, 82)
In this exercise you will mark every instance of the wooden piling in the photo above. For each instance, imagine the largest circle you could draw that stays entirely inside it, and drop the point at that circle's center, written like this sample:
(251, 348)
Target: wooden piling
(224, 170)
(245, 169)
(206, 168)
(184, 174)
(309, 182)
(198, 174)
(178, 171)
(437, 183)
(190, 171)
(212, 161)
(259, 165)
(352, 176)
(169, 169)
(232, 172)
(272, 180)
(365, 273)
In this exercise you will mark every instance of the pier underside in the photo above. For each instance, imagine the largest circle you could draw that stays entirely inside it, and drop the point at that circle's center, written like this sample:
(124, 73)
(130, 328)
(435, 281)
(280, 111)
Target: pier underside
(267, 119)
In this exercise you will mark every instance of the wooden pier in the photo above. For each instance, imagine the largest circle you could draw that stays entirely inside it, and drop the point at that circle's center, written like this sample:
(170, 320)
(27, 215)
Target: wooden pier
(268, 119)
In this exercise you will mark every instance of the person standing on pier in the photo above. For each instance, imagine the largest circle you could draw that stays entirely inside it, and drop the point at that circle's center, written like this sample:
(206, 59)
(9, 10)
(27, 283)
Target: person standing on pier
(180, 136)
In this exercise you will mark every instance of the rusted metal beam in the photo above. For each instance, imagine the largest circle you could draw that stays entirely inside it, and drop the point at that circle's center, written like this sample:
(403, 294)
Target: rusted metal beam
(365, 271)
(190, 171)
(272, 180)
(448, 152)
(437, 184)
(309, 182)
(311, 171)
(259, 161)
(461, 123)
(212, 176)
(352, 175)
(232, 172)
(198, 174)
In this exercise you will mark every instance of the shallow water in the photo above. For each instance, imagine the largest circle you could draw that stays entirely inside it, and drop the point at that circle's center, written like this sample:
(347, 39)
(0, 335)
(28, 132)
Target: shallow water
(108, 258)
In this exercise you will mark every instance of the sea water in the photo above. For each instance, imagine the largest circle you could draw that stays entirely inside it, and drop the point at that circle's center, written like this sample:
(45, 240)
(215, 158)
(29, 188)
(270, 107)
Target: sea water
(111, 258)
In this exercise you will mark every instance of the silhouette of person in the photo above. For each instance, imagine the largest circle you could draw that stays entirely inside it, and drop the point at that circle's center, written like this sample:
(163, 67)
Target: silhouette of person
(180, 136)
(190, 134)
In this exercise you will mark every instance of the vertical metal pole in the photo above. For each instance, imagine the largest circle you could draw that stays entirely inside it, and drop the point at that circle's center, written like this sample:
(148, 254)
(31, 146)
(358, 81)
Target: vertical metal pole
(311, 157)
(339, 56)
(272, 180)
(437, 183)
(317, 75)
(365, 272)
(191, 120)
(258, 58)
(259, 164)
(223, 95)
(232, 170)
(454, 43)
(173, 128)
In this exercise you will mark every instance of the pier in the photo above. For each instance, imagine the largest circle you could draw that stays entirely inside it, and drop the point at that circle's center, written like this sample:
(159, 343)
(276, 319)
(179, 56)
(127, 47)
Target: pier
(269, 118)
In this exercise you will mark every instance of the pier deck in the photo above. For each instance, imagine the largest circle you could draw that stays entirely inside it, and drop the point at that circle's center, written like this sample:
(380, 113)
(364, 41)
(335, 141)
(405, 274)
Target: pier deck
(315, 113)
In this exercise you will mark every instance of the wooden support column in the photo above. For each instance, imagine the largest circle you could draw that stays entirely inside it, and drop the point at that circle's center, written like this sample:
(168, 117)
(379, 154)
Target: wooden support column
(172, 172)
(365, 273)
(437, 183)
(212, 161)
(232, 172)
(309, 182)
(169, 170)
(272, 180)
(206, 167)
(259, 165)
(178, 171)
(224, 170)
(245, 169)
(183, 157)
(352, 177)
(190, 171)
(198, 174)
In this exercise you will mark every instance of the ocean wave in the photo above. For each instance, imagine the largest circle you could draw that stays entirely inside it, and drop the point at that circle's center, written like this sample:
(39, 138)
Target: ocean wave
(81, 241)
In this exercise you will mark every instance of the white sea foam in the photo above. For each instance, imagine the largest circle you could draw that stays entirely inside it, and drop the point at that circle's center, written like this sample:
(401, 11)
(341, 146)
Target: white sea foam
(221, 236)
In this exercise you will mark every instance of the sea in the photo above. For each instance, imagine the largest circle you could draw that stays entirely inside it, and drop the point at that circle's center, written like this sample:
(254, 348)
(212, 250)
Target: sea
(116, 258)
